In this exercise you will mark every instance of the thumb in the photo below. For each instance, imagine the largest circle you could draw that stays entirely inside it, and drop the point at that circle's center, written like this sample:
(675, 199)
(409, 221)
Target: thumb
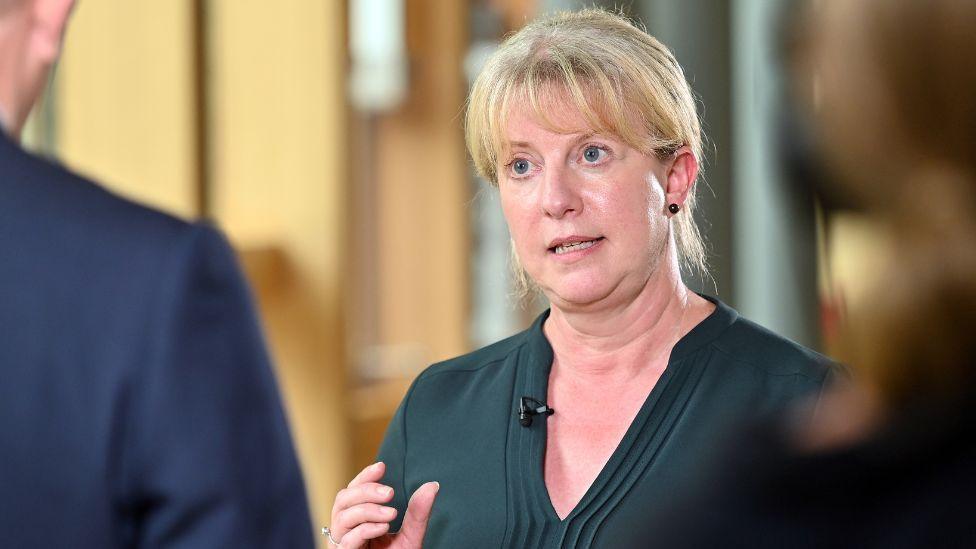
(418, 513)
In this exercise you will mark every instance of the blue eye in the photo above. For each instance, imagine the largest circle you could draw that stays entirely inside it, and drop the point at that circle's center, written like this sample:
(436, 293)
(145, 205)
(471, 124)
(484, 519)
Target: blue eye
(593, 154)
(521, 166)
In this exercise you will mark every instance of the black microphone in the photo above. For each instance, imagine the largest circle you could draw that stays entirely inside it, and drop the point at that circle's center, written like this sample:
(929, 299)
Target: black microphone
(527, 410)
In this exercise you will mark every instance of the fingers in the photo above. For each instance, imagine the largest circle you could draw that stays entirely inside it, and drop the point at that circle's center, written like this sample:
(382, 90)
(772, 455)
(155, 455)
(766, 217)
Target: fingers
(418, 513)
(373, 473)
(359, 503)
(360, 535)
(370, 492)
(365, 512)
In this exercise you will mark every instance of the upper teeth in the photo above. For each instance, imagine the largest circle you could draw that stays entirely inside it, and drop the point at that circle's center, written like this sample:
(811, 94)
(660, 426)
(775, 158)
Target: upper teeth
(563, 248)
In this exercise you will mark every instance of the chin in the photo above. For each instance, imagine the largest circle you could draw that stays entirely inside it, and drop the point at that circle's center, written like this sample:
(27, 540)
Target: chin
(577, 292)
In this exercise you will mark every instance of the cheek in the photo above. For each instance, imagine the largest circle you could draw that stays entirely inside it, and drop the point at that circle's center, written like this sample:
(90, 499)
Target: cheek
(517, 217)
(629, 207)
(654, 200)
(654, 191)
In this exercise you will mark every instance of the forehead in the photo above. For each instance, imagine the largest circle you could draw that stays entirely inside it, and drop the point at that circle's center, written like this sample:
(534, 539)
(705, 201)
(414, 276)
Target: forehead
(555, 112)
(524, 124)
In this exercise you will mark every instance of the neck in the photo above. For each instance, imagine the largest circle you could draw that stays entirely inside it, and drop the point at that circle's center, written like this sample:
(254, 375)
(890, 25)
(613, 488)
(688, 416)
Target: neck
(13, 40)
(6, 94)
(621, 341)
(6, 127)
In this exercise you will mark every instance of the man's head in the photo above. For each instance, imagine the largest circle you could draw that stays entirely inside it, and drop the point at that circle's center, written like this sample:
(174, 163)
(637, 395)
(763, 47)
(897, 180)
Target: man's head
(30, 42)
(6, 5)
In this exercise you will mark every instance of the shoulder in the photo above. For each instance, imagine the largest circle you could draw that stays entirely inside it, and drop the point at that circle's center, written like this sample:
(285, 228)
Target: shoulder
(54, 214)
(55, 203)
(105, 257)
(477, 378)
(476, 361)
(752, 345)
(480, 380)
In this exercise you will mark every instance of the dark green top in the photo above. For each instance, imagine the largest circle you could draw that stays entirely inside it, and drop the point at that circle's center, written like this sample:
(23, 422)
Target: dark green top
(458, 425)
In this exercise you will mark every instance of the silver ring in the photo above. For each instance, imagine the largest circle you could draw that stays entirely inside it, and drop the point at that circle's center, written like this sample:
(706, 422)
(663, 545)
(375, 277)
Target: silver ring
(328, 533)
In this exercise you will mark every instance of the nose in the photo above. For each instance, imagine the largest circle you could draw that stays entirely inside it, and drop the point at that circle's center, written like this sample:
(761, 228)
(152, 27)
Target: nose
(560, 195)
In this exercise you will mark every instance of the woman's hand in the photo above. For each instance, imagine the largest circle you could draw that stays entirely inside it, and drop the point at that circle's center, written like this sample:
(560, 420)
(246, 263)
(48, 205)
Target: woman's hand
(359, 518)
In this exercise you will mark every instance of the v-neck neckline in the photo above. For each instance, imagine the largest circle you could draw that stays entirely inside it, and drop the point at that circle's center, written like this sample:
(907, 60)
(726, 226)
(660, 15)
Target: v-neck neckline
(658, 408)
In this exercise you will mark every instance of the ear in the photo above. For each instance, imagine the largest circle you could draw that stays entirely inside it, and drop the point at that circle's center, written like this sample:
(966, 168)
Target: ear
(49, 17)
(682, 173)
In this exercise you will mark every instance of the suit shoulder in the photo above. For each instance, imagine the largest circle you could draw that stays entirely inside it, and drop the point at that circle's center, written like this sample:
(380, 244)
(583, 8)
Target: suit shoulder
(65, 228)
(772, 353)
(43, 191)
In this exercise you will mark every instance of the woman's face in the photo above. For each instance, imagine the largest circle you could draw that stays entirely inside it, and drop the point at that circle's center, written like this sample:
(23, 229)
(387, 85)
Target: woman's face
(586, 211)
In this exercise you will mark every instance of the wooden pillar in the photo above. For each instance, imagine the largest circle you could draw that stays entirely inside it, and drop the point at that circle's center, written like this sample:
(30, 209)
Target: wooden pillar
(124, 100)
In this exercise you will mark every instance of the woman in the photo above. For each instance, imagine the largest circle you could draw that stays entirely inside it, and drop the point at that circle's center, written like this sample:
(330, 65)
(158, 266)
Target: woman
(892, 461)
(589, 130)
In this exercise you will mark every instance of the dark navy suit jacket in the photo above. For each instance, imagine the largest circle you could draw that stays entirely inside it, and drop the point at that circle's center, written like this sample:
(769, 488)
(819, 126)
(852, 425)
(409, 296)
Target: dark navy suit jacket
(137, 404)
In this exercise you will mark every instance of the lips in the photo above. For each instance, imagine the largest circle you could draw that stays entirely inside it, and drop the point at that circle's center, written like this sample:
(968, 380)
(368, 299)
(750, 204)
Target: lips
(570, 244)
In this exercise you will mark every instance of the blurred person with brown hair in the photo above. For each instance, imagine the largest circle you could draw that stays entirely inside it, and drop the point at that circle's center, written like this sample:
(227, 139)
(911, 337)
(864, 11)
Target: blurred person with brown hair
(138, 407)
(890, 462)
(568, 433)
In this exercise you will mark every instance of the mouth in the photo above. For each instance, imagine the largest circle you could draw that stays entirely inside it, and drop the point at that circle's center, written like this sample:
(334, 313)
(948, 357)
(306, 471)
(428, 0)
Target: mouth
(573, 244)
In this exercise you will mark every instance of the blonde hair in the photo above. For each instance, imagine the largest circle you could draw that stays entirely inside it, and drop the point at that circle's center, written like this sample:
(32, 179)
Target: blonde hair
(622, 80)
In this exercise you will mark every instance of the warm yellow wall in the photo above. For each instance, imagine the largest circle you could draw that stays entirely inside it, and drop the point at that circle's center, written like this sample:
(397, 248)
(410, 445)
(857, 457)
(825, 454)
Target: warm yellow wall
(124, 109)
(126, 113)
(279, 171)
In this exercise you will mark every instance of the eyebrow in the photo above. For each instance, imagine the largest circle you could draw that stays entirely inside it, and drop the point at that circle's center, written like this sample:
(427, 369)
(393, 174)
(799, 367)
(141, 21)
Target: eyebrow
(581, 137)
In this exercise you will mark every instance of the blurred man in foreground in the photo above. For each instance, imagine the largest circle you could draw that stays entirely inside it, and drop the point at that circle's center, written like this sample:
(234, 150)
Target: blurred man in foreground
(889, 87)
(137, 405)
